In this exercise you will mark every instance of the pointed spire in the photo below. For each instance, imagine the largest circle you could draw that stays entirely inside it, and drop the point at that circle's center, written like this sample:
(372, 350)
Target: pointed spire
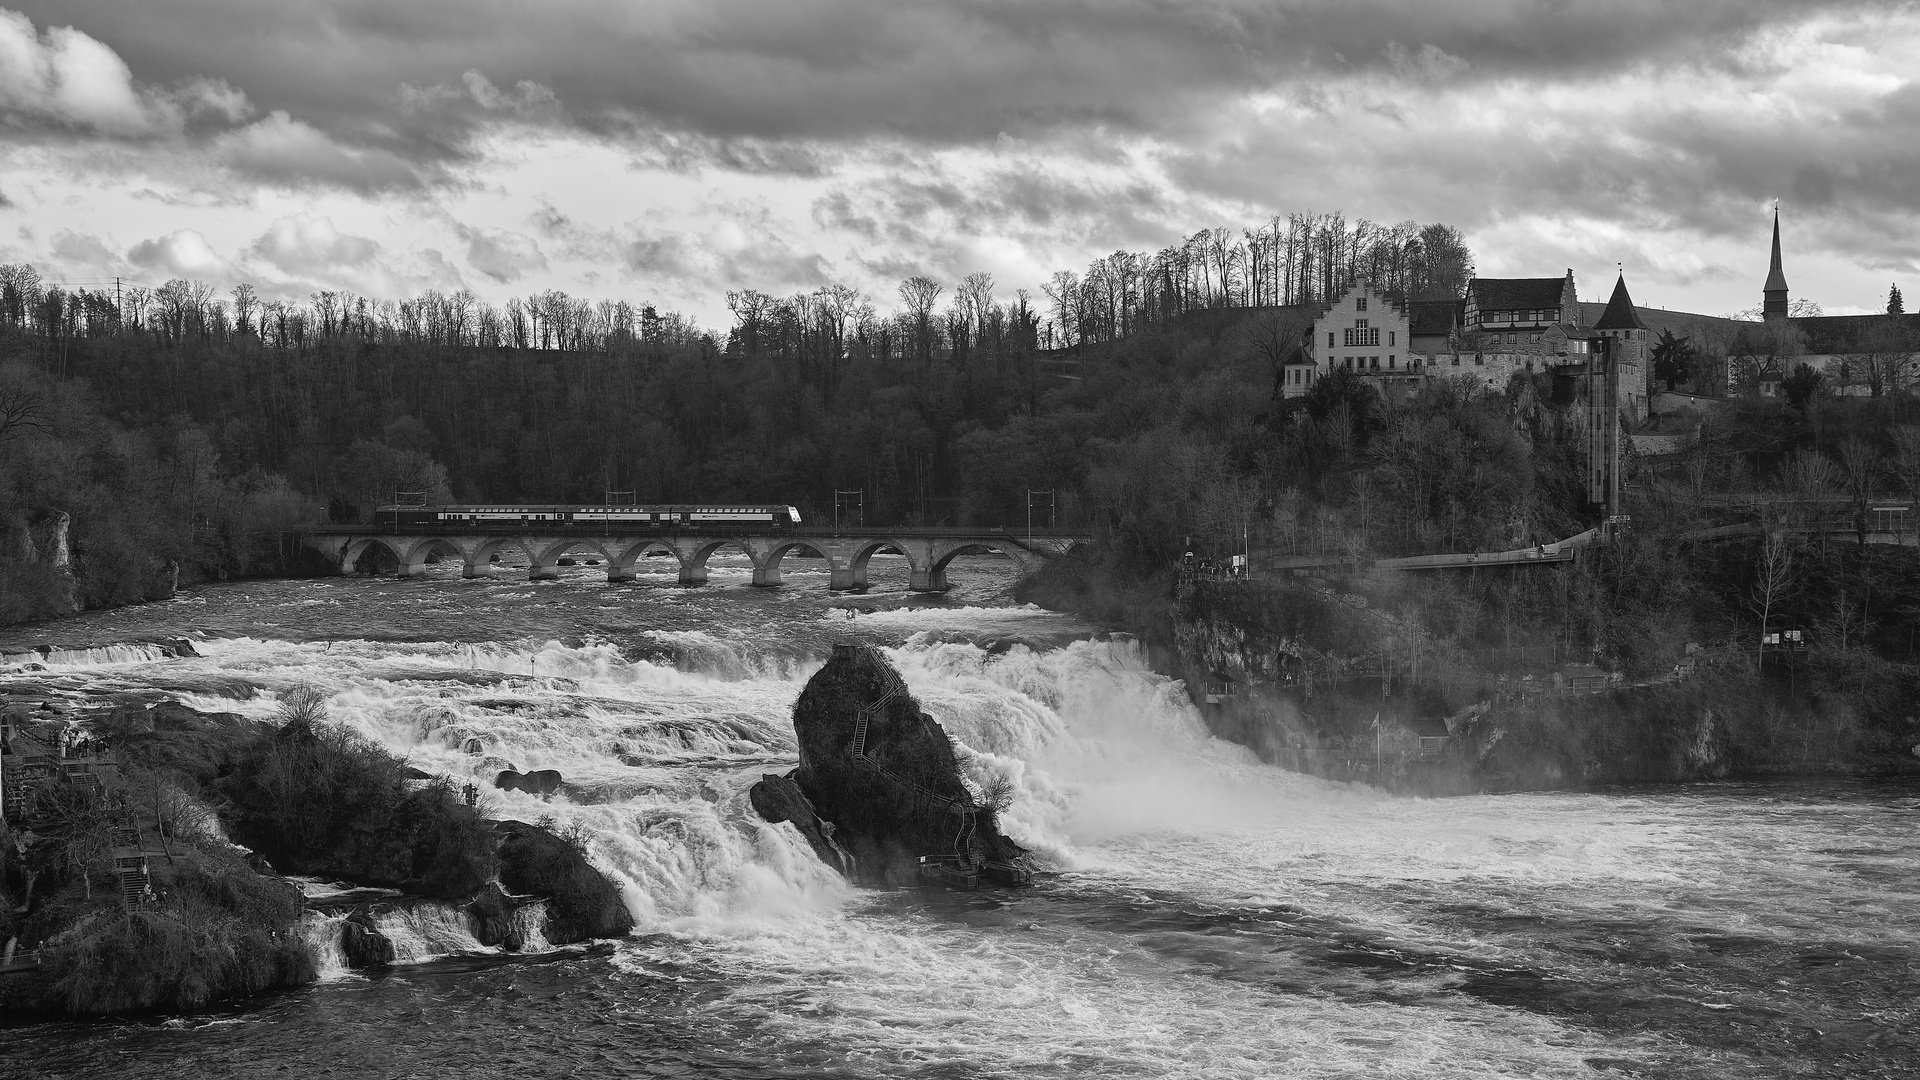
(1776, 279)
(1620, 313)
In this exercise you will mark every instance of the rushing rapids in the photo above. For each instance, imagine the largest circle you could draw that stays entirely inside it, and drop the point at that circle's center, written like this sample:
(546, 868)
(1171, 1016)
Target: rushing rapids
(1197, 913)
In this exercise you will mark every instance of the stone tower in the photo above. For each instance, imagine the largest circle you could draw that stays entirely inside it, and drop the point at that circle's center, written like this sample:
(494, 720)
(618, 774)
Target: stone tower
(1616, 389)
(1620, 324)
(1775, 290)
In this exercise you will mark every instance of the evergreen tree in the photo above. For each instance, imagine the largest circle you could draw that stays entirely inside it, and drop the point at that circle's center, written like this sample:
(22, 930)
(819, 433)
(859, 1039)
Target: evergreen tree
(1895, 306)
(1674, 359)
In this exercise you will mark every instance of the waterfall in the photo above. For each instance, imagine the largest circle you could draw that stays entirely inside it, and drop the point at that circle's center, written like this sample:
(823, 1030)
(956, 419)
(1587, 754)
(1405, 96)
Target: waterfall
(427, 930)
(531, 920)
(321, 932)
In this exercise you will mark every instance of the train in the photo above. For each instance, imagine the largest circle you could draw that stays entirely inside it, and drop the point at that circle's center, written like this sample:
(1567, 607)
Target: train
(494, 515)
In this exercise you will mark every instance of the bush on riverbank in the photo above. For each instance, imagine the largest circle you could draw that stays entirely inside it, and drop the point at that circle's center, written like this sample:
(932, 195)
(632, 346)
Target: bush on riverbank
(584, 903)
(218, 930)
(314, 798)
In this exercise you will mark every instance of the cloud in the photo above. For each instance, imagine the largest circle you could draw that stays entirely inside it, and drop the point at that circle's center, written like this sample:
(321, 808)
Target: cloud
(500, 254)
(282, 150)
(65, 77)
(184, 253)
(308, 245)
(72, 250)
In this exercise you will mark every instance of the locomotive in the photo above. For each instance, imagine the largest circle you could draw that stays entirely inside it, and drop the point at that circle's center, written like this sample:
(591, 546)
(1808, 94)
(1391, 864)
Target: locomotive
(597, 517)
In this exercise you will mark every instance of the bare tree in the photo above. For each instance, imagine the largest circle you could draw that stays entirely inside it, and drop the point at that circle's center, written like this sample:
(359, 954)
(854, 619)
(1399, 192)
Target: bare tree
(1906, 464)
(23, 406)
(919, 294)
(1859, 464)
(1773, 578)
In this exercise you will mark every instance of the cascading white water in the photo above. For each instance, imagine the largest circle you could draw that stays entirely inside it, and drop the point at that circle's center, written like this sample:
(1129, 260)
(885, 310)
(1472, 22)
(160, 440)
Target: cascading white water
(93, 656)
(321, 932)
(530, 920)
(1208, 916)
(425, 930)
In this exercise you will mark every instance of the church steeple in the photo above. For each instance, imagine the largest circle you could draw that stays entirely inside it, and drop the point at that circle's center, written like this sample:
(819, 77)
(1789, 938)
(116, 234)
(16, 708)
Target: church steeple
(1775, 290)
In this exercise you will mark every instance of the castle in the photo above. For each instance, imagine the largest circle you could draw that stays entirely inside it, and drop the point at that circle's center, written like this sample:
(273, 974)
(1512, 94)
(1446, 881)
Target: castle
(1501, 327)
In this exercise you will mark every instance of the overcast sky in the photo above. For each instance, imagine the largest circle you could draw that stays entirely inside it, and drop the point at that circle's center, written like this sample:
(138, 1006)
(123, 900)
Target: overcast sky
(666, 152)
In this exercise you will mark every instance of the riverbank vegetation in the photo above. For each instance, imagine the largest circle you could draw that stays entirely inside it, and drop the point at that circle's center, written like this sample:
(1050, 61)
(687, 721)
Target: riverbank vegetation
(203, 918)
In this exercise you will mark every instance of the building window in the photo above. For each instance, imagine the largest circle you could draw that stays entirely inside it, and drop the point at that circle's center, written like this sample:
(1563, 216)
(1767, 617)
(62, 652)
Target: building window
(1359, 303)
(1361, 334)
(1389, 361)
(1329, 339)
(1376, 363)
(1389, 337)
(1534, 338)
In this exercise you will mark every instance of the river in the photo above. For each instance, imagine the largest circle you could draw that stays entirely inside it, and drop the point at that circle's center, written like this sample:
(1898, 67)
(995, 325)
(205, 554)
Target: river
(1200, 914)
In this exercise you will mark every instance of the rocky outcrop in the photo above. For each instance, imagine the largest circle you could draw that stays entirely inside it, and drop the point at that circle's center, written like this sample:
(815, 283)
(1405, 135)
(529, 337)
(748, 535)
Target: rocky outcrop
(541, 782)
(582, 903)
(362, 943)
(878, 780)
(779, 798)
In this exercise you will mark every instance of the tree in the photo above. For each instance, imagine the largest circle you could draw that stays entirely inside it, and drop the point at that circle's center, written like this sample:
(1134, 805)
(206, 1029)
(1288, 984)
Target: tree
(1906, 463)
(1895, 305)
(1859, 464)
(1773, 577)
(23, 405)
(919, 294)
(1444, 262)
(1674, 359)
(1801, 386)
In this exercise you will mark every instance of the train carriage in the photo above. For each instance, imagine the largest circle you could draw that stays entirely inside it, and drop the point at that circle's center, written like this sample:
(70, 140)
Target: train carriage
(556, 516)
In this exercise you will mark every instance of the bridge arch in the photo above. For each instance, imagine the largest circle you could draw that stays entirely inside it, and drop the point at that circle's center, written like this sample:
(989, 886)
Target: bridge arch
(766, 570)
(620, 567)
(880, 546)
(414, 563)
(358, 546)
(693, 558)
(480, 561)
(545, 565)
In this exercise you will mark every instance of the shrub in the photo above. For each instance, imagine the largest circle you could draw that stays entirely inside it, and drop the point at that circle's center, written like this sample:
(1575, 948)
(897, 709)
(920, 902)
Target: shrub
(219, 931)
(584, 903)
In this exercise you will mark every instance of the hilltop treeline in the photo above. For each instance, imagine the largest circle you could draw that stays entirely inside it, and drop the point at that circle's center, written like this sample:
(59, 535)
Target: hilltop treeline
(184, 429)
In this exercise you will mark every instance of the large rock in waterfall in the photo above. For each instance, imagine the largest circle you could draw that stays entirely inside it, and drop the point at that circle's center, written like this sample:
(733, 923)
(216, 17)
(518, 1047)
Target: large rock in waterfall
(886, 805)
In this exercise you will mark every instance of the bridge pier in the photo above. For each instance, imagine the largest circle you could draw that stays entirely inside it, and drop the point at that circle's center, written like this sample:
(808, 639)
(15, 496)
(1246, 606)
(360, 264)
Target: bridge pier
(846, 552)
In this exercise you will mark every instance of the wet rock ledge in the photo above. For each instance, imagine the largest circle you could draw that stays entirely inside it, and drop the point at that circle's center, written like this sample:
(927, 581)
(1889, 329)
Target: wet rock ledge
(879, 794)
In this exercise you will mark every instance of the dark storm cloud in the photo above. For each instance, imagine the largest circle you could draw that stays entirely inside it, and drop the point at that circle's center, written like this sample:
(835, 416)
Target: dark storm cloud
(398, 75)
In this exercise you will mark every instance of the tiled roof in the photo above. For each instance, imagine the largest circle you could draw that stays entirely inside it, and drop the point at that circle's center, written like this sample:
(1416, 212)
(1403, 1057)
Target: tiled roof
(1516, 294)
(1620, 313)
(1682, 323)
(1829, 334)
(1435, 316)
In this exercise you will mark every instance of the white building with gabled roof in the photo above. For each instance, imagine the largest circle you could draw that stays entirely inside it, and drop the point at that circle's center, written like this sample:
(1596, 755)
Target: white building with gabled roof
(1366, 332)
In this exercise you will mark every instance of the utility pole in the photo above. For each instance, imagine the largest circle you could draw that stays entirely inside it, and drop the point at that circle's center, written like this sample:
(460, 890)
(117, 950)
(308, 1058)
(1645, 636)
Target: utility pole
(855, 500)
(1031, 492)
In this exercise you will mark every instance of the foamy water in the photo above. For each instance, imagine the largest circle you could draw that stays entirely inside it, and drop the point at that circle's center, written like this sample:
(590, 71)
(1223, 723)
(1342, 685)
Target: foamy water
(1202, 914)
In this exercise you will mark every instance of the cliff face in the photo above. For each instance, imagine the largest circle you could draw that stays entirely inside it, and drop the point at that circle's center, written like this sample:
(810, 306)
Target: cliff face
(877, 797)
(1302, 676)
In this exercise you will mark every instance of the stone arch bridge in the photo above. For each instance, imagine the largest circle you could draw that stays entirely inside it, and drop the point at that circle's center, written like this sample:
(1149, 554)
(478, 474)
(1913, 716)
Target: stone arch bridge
(847, 551)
